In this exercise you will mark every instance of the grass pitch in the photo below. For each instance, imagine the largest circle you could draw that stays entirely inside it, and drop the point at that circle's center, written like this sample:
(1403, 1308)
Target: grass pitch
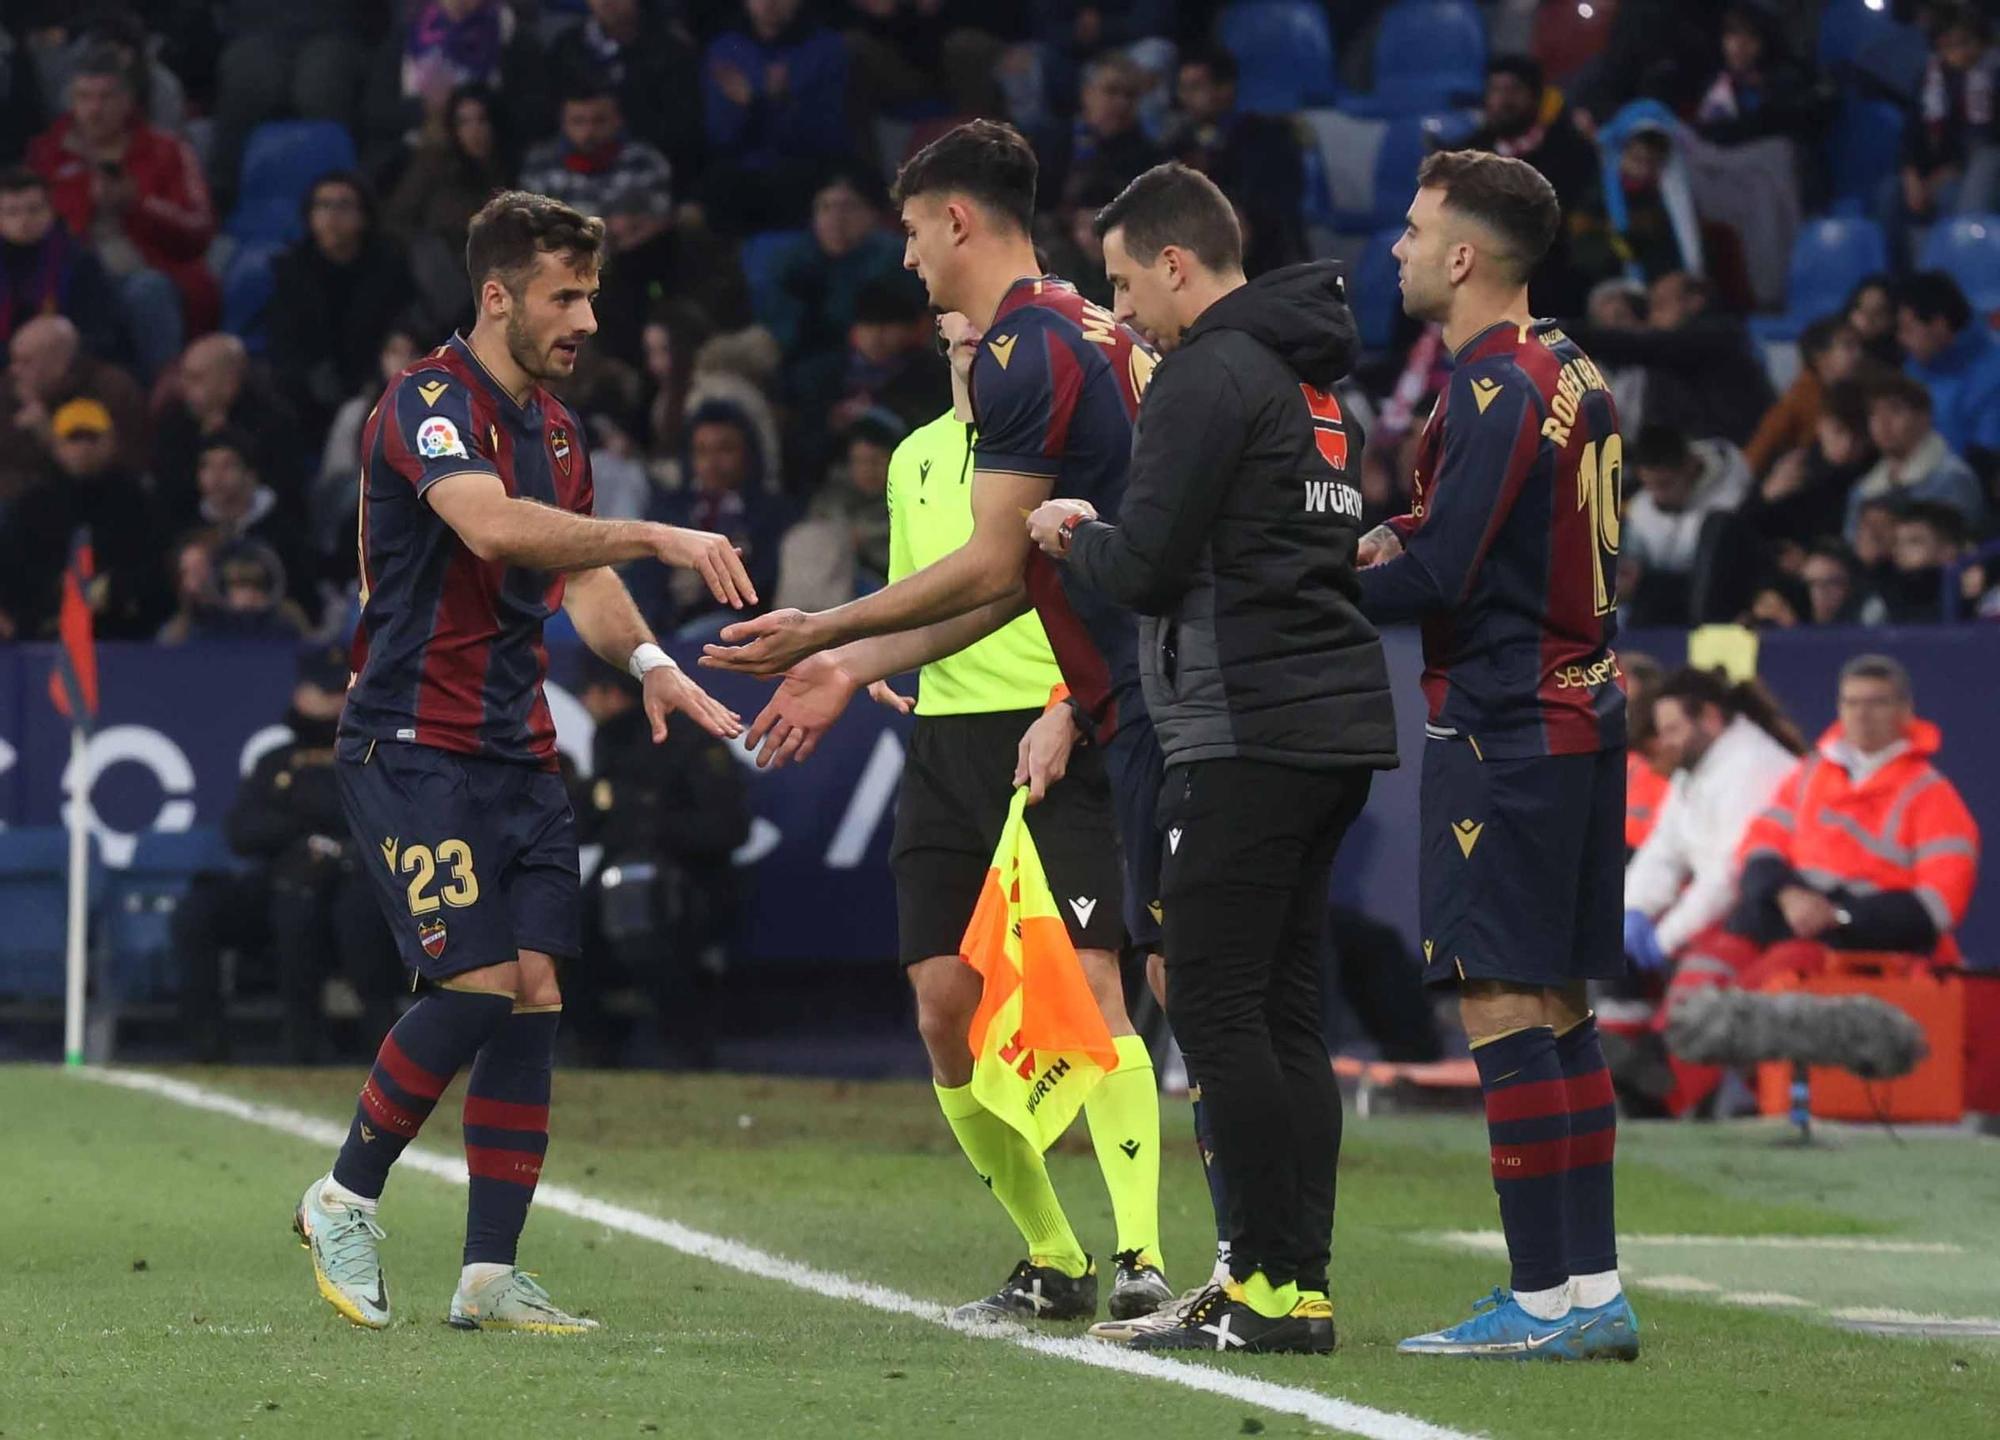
(149, 1285)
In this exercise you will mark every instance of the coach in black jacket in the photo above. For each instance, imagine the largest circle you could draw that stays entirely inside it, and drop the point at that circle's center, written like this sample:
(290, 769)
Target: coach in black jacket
(1235, 543)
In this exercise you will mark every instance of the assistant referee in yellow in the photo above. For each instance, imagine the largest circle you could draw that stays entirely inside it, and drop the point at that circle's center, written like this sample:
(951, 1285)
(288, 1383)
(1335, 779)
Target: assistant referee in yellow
(981, 714)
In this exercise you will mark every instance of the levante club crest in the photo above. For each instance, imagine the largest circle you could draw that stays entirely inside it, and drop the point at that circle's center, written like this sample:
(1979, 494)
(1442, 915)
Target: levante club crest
(559, 447)
(430, 934)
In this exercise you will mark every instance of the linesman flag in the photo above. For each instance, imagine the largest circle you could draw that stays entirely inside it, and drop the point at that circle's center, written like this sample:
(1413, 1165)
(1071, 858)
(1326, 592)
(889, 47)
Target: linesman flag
(1039, 1042)
(73, 680)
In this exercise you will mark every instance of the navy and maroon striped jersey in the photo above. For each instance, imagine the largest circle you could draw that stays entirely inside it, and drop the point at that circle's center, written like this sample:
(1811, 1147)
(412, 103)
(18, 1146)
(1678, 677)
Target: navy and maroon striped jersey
(1055, 388)
(449, 651)
(1510, 549)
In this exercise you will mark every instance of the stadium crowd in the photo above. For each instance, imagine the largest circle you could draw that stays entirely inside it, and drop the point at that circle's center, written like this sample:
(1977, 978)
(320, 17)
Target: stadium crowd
(188, 374)
(203, 293)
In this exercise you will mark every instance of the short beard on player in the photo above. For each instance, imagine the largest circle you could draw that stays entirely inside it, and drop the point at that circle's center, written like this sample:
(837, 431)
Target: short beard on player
(534, 362)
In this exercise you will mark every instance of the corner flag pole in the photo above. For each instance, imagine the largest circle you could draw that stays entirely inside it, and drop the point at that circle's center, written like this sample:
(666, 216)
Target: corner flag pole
(78, 948)
(73, 689)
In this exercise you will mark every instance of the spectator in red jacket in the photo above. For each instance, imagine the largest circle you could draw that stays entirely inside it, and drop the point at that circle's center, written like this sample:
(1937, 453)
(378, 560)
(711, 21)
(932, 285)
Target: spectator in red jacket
(134, 193)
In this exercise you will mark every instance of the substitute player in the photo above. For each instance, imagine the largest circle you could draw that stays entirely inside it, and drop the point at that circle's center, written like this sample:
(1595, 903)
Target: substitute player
(975, 712)
(1509, 556)
(1054, 386)
(475, 525)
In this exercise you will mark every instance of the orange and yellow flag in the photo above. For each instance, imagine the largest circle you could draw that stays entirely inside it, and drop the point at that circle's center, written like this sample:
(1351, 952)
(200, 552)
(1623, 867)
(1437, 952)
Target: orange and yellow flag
(1039, 1042)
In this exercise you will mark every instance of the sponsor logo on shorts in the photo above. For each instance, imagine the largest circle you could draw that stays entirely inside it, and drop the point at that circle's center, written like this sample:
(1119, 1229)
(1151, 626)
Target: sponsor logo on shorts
(1084, 908)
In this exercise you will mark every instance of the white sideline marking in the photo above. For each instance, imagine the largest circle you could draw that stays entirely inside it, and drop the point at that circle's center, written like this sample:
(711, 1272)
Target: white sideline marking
(1764, 1299)
(1492, 1241)
(1676, 1284)
(1343, 1415)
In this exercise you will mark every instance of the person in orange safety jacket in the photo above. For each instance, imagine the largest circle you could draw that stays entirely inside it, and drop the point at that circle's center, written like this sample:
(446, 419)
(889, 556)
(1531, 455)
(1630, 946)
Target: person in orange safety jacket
(1865, 847)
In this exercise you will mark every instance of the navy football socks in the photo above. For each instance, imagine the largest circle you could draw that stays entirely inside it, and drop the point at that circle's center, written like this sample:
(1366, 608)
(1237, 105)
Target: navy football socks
(418, 1059)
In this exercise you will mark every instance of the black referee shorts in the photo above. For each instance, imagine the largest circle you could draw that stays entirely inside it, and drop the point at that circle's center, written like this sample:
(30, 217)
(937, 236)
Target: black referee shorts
(958, 781)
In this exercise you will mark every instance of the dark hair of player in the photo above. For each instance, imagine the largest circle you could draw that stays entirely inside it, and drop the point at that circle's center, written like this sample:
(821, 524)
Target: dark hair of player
(985, 160)
(1171, 204)
(1511, 198)
(1693, 689)
(515, 226)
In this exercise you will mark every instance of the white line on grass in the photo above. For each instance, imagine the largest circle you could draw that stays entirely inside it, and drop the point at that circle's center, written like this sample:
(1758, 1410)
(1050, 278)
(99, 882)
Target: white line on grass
(1344, 1415)
(1493, 1241)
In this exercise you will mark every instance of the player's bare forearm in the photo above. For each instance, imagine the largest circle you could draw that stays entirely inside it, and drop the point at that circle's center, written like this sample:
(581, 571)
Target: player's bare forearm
(541, 537)
(971, 577)
(605, 617)
(880, 656)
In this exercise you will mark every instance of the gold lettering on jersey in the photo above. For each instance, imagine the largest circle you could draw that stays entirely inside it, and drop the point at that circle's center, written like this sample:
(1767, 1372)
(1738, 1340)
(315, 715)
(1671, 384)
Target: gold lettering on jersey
(1577, 379)
(1600, 485)
(1589, 677)
(431, 391)
(1143, 363)
(1099, 326)
(1553, 337)
(1003, 348)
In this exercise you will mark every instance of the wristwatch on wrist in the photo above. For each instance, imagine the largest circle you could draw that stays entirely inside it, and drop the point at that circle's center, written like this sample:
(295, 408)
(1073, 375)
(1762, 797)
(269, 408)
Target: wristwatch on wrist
(1068, 529)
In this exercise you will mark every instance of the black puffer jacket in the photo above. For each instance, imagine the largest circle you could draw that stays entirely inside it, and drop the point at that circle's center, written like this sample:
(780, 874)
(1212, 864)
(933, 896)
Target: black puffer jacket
(1237, 533)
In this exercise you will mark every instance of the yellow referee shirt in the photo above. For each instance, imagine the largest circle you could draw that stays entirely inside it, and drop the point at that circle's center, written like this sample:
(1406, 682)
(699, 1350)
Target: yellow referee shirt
(930, 515)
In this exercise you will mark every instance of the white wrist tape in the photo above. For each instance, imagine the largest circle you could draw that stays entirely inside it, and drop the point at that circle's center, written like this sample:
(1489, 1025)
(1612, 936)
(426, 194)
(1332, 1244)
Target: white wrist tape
(648, 657)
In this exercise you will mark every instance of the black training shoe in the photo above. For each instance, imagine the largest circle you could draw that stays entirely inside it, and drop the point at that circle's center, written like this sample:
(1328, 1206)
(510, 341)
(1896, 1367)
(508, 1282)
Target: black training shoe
(1036, 1292)
(1136, 1287)
(1221, 1322)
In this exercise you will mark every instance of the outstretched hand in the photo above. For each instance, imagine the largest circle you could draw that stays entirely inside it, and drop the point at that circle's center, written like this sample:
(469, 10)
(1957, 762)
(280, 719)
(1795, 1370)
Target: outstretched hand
(809, 700)
(667, 688)
(714, 557)
(765, 644)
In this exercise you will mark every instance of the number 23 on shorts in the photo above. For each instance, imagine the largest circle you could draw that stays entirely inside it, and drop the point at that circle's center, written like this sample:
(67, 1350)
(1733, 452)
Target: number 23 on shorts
(422, 863)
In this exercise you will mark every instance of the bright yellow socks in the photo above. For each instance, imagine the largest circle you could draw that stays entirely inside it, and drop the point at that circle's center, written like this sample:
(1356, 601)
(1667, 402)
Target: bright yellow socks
(1013, 1171)
(1124, 1114)
(1270, 1301)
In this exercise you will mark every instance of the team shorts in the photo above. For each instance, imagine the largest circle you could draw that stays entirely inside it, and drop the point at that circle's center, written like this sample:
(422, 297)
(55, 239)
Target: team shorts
(958, 781)
(1522, 872)
(1137, 769)
(473, 859)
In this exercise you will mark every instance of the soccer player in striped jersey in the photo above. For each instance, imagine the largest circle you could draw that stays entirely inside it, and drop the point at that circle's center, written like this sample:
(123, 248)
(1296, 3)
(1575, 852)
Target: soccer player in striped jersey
(475, 526)
(1509, 557)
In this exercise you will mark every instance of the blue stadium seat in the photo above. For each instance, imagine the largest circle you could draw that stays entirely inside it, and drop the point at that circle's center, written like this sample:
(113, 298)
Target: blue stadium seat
(135, 928)
(1284, 54)
(1373, 292)
(280, 163)
(1402, 150)
(1428, 54)
(34, 898)
(1863, 148)
(246, 290)
(1829, 258)
(1968, 249)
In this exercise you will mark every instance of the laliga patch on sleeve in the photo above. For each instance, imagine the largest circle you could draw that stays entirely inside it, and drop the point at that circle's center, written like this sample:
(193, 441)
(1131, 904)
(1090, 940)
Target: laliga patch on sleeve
(437, 437)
